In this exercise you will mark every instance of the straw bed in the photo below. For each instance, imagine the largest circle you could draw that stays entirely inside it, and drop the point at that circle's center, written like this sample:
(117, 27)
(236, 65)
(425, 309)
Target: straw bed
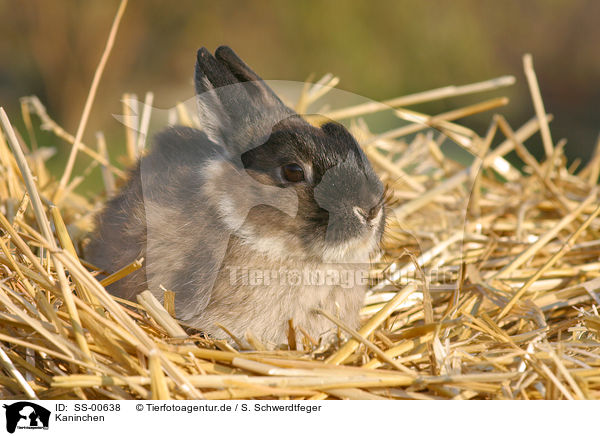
(488, 287)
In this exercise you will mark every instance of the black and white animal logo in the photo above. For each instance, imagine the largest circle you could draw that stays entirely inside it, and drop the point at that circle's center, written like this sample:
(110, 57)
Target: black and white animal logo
(26, 415)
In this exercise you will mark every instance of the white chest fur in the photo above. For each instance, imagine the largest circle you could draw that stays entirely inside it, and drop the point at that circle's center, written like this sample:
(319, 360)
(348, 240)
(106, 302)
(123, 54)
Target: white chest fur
(262, 296)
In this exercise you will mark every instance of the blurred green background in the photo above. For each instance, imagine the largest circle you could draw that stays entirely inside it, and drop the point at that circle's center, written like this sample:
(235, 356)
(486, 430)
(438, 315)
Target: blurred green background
(379, 49)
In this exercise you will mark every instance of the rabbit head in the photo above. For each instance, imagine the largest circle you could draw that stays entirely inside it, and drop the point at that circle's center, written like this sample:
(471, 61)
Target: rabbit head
(285, 187)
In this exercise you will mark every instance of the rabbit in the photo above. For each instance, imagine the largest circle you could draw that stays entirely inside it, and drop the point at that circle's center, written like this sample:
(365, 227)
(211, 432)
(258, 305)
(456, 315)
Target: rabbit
(257, 219)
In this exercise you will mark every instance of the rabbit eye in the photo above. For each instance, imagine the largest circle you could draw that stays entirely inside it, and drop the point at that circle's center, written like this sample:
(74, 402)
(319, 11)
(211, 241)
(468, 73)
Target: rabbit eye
(292, 173)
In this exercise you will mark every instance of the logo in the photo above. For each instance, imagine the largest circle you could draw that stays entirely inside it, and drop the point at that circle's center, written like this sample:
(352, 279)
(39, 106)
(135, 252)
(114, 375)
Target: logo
(26, 415)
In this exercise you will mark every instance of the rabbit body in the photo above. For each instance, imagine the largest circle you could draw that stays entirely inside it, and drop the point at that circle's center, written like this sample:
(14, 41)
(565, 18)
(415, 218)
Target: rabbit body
(256, 220)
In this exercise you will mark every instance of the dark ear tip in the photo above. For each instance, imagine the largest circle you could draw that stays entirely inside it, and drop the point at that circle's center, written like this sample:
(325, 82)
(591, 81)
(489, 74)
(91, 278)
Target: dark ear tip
(223, 48)
(225, 52)
(202, 54)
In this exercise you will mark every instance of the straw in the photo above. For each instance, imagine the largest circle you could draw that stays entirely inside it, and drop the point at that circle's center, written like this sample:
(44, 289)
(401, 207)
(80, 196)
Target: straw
(90, 100)
(487, 286)
(421, 97)
(536, 96)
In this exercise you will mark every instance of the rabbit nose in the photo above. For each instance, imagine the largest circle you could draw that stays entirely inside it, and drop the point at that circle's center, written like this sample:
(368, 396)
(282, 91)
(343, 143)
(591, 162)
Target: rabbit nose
(369, 215)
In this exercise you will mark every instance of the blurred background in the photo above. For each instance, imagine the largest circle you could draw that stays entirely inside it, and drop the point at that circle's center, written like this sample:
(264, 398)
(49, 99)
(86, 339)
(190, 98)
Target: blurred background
(379, 49)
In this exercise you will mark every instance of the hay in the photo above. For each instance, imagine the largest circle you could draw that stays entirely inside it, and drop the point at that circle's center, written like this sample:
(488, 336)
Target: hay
(487, 289)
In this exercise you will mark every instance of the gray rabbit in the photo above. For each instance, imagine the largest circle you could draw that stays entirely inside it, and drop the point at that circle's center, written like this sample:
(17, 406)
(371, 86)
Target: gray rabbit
(254, 220)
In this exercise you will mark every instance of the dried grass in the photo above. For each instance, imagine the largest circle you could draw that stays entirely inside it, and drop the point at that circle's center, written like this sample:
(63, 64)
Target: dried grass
(488, 288)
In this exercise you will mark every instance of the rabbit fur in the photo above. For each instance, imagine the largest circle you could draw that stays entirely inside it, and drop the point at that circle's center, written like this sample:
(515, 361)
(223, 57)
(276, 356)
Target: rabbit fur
(218, 221)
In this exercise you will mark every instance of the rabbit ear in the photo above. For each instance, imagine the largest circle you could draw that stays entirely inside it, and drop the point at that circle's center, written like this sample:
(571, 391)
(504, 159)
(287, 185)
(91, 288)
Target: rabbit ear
(237, 66)
(236, 108)
(212, 80)
(209, 68)
(257, 88)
